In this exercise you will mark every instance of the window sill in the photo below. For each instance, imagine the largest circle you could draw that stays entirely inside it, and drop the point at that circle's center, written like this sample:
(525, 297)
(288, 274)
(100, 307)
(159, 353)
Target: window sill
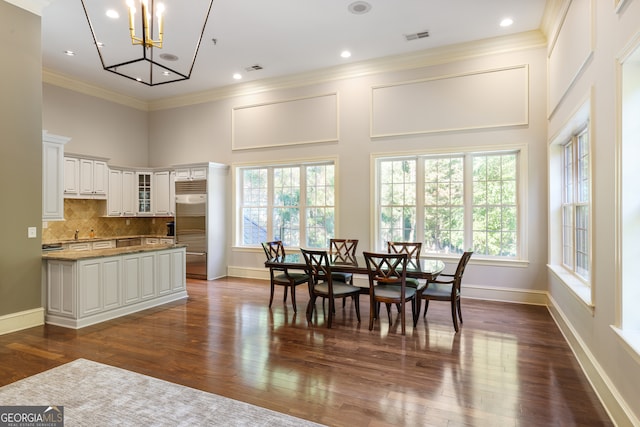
(630, 341)
(581, 291)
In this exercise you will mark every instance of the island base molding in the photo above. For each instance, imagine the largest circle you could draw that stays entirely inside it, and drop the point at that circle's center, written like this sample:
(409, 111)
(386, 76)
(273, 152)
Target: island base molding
(67, 322)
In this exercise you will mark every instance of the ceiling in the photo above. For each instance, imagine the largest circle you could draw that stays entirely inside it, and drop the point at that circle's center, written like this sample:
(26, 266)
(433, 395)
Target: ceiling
(284, 37)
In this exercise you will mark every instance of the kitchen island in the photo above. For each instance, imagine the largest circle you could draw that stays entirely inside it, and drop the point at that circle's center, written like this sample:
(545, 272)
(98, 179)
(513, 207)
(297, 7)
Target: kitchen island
(83, 288)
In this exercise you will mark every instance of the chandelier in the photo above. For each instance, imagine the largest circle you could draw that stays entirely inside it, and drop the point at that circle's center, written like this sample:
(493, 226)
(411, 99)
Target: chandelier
(153, 42)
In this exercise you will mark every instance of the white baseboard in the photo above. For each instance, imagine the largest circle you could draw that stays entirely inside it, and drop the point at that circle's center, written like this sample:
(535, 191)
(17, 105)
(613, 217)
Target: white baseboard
(614, 404)
(22, 320)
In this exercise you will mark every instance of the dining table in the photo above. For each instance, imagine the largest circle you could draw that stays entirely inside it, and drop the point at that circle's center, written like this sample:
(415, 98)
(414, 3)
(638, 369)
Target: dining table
(423, 268)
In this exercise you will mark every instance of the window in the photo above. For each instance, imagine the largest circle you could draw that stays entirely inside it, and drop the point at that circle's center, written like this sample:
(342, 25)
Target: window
(575, 205)
(292, 203)
(462, 200)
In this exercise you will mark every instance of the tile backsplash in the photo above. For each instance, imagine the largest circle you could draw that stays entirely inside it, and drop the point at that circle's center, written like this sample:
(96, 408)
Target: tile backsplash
(85, 214)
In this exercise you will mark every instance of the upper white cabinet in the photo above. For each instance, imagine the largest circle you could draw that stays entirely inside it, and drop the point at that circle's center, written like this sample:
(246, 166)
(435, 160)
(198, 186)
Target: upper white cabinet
(144, 193)
(114, 199)
(128, 193)
(187, 173)
(85, 178)
(121, 199)
(93, 178)
(162, 193)
(53, 177)
(71, 176)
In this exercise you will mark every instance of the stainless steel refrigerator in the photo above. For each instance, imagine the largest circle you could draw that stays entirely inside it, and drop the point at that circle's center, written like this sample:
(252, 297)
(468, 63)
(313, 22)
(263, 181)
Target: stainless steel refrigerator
(200, 220)
(191, 224)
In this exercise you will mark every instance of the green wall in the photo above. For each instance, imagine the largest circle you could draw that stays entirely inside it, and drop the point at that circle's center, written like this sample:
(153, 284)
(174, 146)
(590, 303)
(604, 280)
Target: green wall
(20, 159)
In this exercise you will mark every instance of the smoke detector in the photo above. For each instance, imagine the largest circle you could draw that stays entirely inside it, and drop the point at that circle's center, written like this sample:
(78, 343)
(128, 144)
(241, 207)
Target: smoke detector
(255, 67)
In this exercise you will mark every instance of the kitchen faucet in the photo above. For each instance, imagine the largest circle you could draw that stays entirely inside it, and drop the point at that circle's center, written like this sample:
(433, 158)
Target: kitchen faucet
(75, 236)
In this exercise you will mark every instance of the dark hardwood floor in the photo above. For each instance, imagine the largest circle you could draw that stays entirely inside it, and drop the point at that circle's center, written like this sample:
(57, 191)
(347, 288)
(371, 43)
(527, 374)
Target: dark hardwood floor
(508, 366)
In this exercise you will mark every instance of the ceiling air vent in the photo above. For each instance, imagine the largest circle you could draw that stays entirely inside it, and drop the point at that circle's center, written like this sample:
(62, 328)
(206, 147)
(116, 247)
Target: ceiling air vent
(253, 68)
(416, 36)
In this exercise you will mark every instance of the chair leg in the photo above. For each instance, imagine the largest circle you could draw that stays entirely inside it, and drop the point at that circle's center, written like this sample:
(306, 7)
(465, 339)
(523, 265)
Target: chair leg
(426, 307)
(271, 297)
(293, 297)
(356, 302)
(310, 307)
(454, 315)
(332, 303)
(415, 311)
(402, 319)
(286, 289)
(459, 311)
(389, 313)
(372, 316)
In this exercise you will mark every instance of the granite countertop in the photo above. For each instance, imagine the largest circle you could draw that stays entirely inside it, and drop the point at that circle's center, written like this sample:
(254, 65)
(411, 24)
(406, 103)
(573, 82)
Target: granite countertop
(101, 253)
(104, 238)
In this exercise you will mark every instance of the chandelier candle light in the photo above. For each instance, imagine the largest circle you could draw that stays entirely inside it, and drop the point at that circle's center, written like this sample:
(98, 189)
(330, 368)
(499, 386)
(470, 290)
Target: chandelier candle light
(147, 24)
(168, 25)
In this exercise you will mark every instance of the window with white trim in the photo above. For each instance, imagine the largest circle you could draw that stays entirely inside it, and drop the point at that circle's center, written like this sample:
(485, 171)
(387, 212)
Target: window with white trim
(576, 206)
(294, 203)
(451, 202)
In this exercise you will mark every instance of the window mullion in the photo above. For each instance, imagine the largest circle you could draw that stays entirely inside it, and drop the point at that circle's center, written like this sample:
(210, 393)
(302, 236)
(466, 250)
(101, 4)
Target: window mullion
(468, 200)
(420, 170)
(271, 203)
(302, 206)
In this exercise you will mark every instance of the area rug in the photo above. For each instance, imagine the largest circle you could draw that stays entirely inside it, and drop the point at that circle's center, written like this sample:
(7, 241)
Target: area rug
(94, 394)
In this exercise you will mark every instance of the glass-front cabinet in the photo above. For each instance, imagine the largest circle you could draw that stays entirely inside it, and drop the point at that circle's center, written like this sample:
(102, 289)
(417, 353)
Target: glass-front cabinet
(144, 193)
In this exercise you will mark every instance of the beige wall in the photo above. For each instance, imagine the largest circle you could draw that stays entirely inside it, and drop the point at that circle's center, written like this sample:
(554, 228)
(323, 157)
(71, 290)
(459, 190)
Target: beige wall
(20, 159)
(96, 127)
(203, 132)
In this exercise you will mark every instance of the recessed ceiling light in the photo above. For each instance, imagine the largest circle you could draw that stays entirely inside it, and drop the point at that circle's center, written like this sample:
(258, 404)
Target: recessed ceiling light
(69, 53)
(138, 79)
(345, 54)
(237, 76)
(113, 14)
(166, 73)
(359, 7)
(506, 22)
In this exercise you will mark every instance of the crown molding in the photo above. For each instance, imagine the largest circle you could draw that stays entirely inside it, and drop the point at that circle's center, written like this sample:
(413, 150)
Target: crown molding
(33, 6)
(60, 80)
(425, 58)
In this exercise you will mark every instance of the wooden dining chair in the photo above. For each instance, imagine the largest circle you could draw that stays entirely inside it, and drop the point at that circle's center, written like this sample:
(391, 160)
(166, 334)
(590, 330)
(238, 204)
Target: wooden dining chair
(447, 290)
(387, 285)
(322, 284)
(281, 276)
(343, 251)
(413, 250)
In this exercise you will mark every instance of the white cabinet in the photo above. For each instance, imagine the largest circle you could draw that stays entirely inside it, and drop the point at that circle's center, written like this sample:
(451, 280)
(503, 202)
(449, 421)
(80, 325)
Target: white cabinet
(103, 244)
(171, 267)
(162, 193)
(114, 199)
(53, 177)
(121, 195)
(187, 173)
(91, 290)
(71, 176)
(138, 277)
(93, 178)
(100, 290)
(128, 193)
(85, 178)
(62, 288)
(144, 193)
